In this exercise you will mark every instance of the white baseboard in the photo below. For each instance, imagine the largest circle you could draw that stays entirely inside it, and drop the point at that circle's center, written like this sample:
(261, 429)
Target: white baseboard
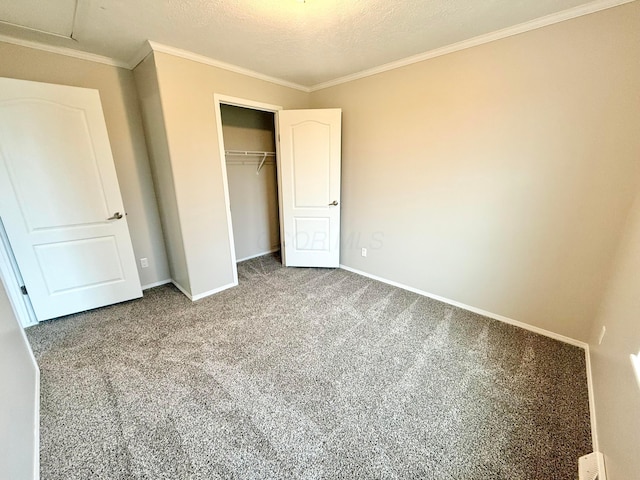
(200, 296)
(592, 401)
(182, 289)
(501, 318)
(214, 291)
(156, 284)
(274, 249)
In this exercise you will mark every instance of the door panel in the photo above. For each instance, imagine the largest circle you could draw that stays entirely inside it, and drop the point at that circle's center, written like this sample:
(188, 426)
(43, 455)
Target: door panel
(311, 160)
(60, 142)
(310, 186)
(312, 234)
(79, 264)
(58, 196)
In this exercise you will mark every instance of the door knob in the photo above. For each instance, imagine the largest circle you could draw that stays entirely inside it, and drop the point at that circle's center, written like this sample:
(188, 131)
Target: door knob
(116, 216)
(334, 203)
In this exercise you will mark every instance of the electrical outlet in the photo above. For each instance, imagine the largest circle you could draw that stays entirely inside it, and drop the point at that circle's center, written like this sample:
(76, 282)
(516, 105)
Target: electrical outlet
(602, 332)
(364, 252)
(144, 263)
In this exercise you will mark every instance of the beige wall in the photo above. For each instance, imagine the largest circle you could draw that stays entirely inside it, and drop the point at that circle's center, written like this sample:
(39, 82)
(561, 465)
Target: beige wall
(498, 176)
(19, 380)
(120, 105)
(186, 91)
(248, 129)
(616, 391)
(158, 148)
(253, 197)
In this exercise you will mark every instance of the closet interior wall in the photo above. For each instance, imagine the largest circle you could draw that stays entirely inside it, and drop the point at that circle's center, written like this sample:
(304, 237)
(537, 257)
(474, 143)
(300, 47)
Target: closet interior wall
(253, 194)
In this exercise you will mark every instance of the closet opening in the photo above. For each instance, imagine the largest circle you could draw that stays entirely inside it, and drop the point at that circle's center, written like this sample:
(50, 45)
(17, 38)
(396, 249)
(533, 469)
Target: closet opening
(248, 145)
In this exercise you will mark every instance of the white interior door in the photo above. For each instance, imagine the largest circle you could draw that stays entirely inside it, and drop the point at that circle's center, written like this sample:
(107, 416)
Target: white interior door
(309, 169)
(60, 200)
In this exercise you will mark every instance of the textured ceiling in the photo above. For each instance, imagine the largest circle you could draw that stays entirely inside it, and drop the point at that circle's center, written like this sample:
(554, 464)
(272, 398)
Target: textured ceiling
(305, 43)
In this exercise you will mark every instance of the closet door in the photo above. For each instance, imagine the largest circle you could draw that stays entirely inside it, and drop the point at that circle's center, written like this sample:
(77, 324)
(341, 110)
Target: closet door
(309, 170)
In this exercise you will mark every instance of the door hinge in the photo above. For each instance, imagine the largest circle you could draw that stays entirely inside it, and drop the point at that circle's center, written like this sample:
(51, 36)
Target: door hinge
(23, 289)
(278, 138)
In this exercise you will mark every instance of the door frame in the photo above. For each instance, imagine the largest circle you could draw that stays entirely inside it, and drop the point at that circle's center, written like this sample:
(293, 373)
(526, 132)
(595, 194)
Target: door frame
(220, 99)
(23, 310)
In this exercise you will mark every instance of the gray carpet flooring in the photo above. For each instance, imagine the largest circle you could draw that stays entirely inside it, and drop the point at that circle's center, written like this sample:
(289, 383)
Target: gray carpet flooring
(310, 374)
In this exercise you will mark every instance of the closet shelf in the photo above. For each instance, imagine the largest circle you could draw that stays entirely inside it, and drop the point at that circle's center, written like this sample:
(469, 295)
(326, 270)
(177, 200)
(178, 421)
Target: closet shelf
(251, 153)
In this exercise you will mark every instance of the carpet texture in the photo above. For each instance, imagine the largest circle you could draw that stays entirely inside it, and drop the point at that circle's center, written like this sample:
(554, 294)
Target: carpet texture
(305, 373)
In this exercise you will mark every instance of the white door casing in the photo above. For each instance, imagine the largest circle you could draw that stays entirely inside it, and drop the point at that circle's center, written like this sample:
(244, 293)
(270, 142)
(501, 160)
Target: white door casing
(60, 199)
(309, 170)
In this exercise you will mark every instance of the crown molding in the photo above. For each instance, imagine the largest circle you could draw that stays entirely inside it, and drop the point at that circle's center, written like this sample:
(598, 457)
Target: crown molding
(558, 17)
(157, 47)
(69, 52)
